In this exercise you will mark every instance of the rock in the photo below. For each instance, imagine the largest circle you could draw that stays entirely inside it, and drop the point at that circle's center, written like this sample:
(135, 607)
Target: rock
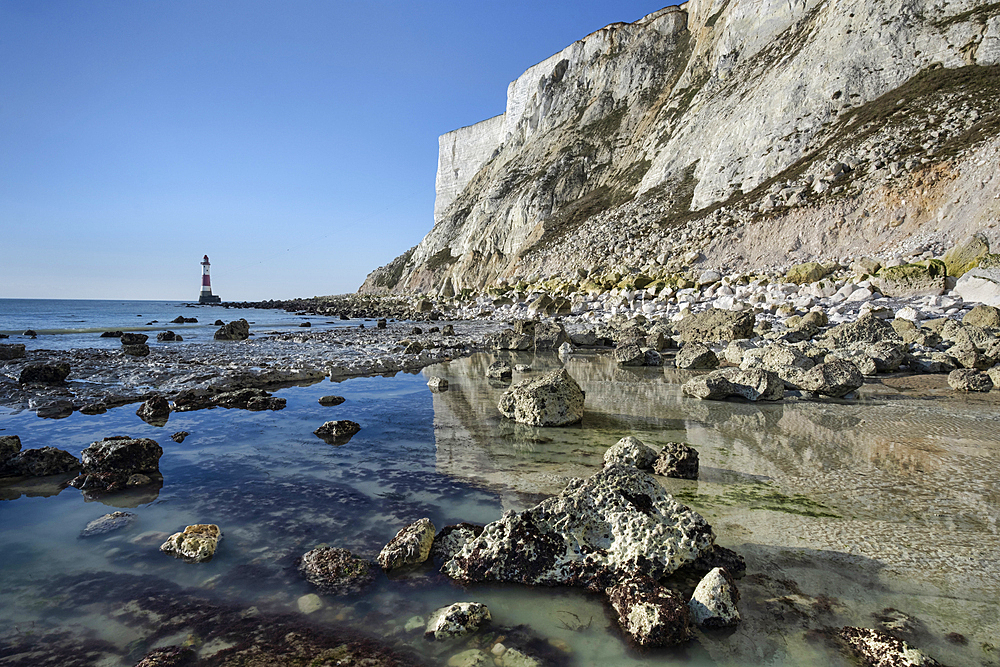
(218, 323)
(987, 317)
(410, 546)
(695, 356)
(40, 373)
(549, 336)
(122, 455)
(337, 432)
(880, 649)
(499, 370)
(134, 339)
(982, 283)
(57, 409)
(713, 604)
(39, 463)
(258, 403)
(966, 255)
(715, 324)
(109, 523)
(628, 353)
(331, 400)
(237, 330)
(457, 620)
(93, 409)
(649, 613)
(618, 523)
(866, 329)
(309, 603)
(909, 280)
(154, 411)
(630, 451)
(179, 436)
(451, 539)
(554, 399)
(677, 460)
(508, 339)
(969, 379)
(808, 272)
(136, 350)
(305, 324)
(336, 571)
(753, 384)
(11, 351)
(10, 445)
(111, 334)
(864, 363)
(170, 656)
(887, 356)
(448, 330)
(437, 383)
(166, 336)
(471, 658)
(196, 544)
(833, 378)
(413, 347)
(865, 266)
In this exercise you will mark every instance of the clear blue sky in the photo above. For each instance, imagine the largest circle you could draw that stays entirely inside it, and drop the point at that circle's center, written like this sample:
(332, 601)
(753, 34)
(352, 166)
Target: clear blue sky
(293, 142)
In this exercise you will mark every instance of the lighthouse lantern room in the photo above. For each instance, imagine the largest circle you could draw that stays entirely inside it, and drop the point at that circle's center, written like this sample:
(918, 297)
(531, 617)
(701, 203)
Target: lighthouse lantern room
(206, 285)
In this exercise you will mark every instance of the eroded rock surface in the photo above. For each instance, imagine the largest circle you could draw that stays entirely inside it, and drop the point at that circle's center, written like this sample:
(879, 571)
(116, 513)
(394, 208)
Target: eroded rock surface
(555, 399)
(410, 546)
(336, 571)
(195, 544)
(650, 614)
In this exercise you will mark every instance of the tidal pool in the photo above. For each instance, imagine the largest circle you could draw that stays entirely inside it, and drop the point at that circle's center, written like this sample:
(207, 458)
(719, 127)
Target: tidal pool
(843, 510)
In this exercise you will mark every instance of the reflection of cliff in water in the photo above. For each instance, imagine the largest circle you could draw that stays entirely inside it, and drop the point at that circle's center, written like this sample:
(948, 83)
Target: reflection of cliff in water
(886, 476)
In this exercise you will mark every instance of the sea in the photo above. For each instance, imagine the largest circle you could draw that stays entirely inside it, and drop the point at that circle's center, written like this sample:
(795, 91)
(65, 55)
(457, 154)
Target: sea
(65, 324)
(879, 511)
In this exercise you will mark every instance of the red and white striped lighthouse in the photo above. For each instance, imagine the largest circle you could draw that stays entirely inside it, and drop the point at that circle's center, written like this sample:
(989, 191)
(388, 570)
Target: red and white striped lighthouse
(206, 284)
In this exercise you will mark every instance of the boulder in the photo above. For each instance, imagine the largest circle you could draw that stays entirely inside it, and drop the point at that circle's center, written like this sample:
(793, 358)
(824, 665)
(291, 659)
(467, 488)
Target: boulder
(508, 339)
(832, 378)
(630, 451)
(865, 364)
(650, 614)
(331, 400)
(969, 379)
(437, 383)
(866, 329)
(966, 255)
(549, 336)
(809, 272)
(554, 399)
(677, 460)
(880, 649)
(628, 353)
(753, 384)
(986, 317)
(500, 370)
(713, 604)
(40, 373)
(166, 336)
(109, 523)
(909, 280)
(457, 620)
(122, 455)
(337, 432)
(715, 325)
(259, 403)
(865, 266)
(10, 445)
(237, 330)
(981, 284)
(155, 411)
(695, 356)
(451, 539)
(11, 351)
(616, 524)
(39, 463)
(336, 571)
(111, 334)
(134, 339)
(410, 546)
(195, 544)
(179, 436)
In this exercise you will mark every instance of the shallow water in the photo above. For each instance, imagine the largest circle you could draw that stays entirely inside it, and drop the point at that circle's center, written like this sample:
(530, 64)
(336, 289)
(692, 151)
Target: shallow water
(841, 508)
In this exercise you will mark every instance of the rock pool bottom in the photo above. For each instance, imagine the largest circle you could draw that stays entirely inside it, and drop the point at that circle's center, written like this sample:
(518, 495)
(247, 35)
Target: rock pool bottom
(843, 509)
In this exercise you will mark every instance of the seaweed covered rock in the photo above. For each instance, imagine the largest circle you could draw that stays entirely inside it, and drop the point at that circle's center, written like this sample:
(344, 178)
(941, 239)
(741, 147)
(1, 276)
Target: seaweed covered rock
(195, 544)
(677, 460)
(237, 330)
(336, 571)
(39, 463)
(410, 546)
(713, 604)
(880, 649)
(44, 373)
(554, 399)
(649, 613)
(154, 411)
(618, 523)
(337, 432)
(451, 539)
(122, 455)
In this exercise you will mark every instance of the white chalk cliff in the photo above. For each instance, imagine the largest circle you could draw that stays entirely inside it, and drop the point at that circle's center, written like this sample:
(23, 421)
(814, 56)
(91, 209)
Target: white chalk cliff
(724, 133)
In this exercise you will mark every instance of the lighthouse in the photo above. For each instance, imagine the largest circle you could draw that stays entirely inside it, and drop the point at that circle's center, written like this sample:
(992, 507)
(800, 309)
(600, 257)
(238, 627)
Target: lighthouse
(206, 285)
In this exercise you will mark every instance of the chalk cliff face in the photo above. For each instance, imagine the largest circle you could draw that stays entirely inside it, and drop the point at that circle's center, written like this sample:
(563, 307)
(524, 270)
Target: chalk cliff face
(696, 134)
